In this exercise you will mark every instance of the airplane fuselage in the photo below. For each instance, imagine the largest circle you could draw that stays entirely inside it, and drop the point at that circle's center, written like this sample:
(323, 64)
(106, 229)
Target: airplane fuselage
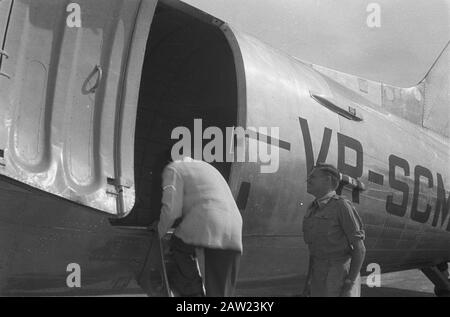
(65, 178)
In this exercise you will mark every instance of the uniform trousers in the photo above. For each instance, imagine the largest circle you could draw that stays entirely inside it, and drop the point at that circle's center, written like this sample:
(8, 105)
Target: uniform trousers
(328, 276)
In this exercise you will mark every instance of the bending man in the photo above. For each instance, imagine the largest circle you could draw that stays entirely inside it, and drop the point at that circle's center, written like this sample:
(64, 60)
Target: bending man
(197, 194)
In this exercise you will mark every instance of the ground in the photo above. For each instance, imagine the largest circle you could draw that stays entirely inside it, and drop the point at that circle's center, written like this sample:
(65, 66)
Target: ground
(412, 283)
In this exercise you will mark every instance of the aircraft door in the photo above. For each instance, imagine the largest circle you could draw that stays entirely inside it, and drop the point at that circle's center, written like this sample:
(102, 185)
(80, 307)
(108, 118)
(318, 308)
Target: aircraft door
(68, 108)
(5, 9)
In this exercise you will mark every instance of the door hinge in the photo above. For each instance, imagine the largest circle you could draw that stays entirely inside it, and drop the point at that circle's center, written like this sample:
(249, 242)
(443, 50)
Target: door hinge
(2, 159)
(5, 54)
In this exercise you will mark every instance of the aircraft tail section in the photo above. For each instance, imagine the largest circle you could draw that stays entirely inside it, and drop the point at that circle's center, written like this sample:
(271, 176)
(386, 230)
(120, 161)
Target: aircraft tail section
(436, 85)
(427, 104)
(440, 66)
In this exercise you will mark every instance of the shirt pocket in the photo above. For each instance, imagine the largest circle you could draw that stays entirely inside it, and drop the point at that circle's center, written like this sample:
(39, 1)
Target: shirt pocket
(333, 230)
(323, 224)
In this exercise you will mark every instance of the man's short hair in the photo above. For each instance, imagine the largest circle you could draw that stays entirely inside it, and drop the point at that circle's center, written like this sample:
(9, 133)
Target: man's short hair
(330, 170)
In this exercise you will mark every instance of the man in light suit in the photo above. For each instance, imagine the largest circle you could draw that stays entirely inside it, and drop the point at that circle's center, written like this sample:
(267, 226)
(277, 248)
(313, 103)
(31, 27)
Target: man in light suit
(197, 194)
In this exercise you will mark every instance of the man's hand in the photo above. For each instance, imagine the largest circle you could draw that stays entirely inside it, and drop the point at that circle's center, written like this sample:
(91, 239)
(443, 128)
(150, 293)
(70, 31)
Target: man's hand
(347, 288)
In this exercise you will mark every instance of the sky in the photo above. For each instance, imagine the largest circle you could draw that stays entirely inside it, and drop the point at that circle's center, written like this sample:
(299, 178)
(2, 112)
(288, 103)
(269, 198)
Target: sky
(335, 33)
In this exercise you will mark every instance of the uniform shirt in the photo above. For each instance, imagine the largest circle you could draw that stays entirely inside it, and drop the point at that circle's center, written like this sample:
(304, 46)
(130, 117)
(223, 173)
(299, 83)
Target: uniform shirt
(331, 225)
(197, 192)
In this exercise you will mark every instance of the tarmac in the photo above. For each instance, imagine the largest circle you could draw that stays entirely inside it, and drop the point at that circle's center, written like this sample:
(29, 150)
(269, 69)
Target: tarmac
(411, 283)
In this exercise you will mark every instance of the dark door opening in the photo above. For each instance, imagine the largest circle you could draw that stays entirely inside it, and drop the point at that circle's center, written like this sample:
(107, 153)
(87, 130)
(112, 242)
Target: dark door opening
(188, 74)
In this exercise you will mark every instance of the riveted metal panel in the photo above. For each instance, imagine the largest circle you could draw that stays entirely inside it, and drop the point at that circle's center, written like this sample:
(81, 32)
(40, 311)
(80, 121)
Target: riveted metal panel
(274, 93)
(64, 105)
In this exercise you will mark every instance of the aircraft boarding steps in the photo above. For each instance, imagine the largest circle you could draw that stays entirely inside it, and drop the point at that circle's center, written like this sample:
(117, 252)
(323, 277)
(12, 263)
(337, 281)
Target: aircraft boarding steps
(159, 268)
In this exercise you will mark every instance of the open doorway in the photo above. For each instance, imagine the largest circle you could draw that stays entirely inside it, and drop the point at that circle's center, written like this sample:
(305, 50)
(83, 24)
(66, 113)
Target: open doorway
(188, 74)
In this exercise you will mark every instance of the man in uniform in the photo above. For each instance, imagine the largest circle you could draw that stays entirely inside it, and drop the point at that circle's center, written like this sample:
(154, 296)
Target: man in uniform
(334, 233)
(196, 193)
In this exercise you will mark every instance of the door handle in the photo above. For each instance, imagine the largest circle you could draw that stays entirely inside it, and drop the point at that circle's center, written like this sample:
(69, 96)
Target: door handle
(332, 105)
(5, 75)
(98, 69)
